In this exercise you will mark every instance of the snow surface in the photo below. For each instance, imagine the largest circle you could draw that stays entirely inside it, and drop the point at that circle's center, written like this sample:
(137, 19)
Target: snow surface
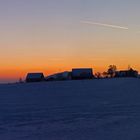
(107, 109)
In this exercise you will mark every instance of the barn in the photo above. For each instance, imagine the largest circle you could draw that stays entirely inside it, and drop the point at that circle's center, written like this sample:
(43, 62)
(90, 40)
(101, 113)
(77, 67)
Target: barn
(82, 73)
(34, 77)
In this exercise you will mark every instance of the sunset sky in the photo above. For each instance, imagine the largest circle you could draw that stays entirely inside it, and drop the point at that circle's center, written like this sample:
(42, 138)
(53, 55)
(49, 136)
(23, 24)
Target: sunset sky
(57, 35)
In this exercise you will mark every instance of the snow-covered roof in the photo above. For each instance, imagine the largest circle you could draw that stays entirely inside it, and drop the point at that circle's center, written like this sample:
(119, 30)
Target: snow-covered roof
(34, 75)
(64, 74)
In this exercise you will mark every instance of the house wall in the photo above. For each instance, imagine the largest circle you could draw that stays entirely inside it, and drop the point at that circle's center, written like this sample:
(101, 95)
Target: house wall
(82, 73)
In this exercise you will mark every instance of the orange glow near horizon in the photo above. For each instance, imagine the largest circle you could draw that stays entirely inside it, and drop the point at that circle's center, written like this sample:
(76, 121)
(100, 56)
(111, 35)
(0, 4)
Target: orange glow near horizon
(15, 74)
(42, 61)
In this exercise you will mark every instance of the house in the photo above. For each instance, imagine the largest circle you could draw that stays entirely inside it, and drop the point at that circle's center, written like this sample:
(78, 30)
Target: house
(34, 77)
(82, 73)
(127, 73)
(59, 76)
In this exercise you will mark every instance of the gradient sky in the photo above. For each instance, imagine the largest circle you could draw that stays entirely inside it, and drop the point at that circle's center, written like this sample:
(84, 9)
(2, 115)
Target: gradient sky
(50, 36)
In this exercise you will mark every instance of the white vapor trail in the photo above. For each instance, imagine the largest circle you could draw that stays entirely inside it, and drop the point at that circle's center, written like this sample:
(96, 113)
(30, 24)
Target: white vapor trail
(105, 25)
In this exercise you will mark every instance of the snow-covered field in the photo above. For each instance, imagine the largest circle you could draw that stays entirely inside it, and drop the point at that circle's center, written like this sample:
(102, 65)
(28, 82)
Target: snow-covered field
(106, 109)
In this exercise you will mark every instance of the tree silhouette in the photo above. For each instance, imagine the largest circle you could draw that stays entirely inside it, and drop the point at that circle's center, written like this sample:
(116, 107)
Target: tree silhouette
(112, 70)
(105, 74)
(98, 75)
(20, 80)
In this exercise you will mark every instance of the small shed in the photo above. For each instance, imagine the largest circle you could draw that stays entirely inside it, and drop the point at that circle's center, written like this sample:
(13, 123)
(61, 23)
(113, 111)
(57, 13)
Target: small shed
(34, 77)
(127, 73)
(82, 73)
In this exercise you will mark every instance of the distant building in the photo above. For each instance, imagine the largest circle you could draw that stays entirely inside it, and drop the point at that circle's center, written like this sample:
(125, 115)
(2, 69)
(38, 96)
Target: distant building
(59, 76)
(82, 73)
(126, 73)
(34, 77)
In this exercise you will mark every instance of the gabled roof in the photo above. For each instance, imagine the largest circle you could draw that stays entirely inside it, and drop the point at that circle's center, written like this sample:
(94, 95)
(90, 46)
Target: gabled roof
(81, 70)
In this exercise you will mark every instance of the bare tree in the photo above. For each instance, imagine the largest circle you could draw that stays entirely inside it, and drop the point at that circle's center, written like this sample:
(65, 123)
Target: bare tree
(98, 75)
(112, 70)
(105, 74)
(20, 80)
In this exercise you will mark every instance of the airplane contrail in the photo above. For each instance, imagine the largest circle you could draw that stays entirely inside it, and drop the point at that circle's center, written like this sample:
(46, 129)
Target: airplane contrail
(105, 25)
